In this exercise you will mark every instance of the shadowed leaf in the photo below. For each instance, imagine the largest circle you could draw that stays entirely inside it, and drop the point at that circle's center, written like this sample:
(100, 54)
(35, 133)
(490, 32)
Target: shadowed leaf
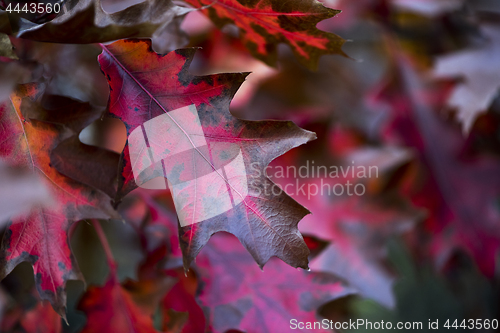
(94, 25)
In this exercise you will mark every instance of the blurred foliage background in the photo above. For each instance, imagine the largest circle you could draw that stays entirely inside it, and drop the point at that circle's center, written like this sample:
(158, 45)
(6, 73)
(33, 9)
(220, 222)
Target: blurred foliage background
(403, 243)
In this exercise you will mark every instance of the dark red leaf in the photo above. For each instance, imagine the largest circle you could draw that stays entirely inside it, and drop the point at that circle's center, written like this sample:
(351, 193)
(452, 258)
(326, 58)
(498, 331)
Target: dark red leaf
(145, 85)
(265, 23)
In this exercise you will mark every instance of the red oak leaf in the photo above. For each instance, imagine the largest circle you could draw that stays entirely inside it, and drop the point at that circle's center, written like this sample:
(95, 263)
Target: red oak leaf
(146, 86)
(40, 237)
(237, 295)
(265, 23)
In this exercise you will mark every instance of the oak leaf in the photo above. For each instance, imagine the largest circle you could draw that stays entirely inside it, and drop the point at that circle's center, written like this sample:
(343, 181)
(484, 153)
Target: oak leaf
(265, 23)
(145, 85)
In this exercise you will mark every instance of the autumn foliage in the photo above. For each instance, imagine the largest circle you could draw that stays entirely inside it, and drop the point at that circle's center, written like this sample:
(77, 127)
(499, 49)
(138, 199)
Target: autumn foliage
(301, 178)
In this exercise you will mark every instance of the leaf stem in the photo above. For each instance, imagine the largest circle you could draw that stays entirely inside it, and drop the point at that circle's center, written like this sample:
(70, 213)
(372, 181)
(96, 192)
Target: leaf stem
(105, 246)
